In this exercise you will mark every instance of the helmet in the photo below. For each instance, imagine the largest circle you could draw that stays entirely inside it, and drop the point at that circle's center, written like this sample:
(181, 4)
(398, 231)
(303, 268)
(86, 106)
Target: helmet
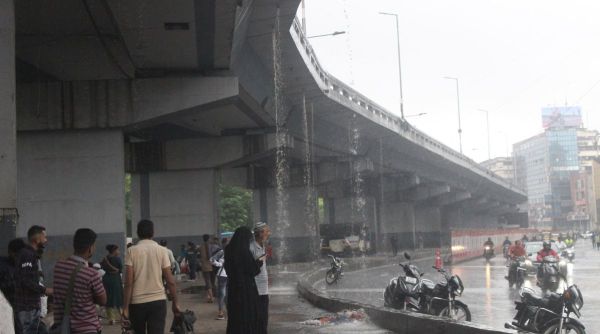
(546, 245)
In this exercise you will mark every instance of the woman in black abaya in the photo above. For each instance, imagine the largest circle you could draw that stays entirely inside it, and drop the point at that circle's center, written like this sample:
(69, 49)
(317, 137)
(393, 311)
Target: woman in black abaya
(242, 295)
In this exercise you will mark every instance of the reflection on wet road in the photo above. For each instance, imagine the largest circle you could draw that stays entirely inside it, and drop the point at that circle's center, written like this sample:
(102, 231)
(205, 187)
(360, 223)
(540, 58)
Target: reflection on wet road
(490, 299)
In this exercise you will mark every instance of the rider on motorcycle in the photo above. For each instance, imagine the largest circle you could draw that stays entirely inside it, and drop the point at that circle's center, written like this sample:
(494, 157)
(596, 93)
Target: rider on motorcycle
(561, 244)
(488, 243)
(517, 250)
(546, 251)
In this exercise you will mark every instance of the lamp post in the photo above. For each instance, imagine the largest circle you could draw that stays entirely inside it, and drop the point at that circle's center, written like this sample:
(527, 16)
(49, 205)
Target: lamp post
(335, 33)
(458, 107)
(487, 121)
(399, 62)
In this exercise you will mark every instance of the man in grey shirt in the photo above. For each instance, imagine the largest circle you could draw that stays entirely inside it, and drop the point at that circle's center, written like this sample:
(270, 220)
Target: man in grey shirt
(258, 250)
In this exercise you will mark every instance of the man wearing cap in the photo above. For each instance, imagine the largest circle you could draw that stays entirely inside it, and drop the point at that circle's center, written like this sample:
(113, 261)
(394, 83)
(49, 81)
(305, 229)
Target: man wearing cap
(258, 250)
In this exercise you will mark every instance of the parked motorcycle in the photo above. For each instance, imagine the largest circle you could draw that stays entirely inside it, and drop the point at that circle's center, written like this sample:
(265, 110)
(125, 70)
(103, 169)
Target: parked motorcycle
(403, 292)
(517, 271)
(549, 274)
(550, 314)
(336, 271)
(488, 252)
(440, 299)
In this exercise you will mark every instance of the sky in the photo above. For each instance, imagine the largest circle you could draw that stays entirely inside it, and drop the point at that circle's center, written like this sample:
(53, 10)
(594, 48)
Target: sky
(511, 58)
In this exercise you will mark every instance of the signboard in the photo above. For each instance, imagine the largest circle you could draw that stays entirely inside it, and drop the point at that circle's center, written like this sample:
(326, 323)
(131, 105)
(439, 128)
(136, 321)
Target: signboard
(561, 117)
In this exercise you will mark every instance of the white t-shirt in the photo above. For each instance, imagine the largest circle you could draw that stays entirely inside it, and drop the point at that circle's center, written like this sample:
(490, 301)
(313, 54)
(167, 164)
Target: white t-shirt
(262, 279)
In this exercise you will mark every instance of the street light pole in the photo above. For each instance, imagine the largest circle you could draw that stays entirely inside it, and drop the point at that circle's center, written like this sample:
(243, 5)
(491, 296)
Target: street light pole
(399, 61)
(335, 33)
(487, 120)
(458, 107)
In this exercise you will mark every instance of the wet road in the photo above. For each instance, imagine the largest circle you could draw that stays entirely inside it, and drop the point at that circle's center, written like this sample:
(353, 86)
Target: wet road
(490, 299)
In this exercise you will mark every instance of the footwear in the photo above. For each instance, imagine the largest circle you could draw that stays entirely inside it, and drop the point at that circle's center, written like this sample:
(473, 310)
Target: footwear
(220, 316)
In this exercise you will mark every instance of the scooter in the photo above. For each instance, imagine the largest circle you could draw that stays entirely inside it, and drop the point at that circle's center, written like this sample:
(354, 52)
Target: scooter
(550, 314)
(488, 252)
(404, 291)
(549, 274)
(568, 253)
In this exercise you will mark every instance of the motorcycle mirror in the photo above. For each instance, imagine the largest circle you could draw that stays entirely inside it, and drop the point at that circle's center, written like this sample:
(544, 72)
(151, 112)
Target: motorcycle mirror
(406, 256)
(422, 274)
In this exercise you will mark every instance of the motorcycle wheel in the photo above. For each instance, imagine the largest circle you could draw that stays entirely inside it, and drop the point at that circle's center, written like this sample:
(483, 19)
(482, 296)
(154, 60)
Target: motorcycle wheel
(331, 276)
(459, 312)
(567, 328)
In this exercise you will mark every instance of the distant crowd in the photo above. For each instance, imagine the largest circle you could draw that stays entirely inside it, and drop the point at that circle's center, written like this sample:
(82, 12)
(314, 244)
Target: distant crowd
(135, 292)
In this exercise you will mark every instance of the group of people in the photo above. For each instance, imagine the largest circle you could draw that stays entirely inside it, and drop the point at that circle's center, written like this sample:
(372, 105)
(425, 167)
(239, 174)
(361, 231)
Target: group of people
(135, 291)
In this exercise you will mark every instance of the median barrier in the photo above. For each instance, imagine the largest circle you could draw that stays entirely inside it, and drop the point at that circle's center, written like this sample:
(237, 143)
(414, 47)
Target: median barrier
(394, 320)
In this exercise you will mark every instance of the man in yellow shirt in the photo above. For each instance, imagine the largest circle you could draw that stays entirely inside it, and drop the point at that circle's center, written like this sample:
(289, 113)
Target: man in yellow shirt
(145, 301)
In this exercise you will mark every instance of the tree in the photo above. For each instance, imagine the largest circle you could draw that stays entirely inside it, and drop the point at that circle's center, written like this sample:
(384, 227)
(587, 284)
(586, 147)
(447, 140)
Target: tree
(235, 207)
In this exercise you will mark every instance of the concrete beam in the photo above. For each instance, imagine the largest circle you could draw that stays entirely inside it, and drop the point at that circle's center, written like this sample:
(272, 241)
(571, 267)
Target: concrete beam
(453, 198)
(424, 192)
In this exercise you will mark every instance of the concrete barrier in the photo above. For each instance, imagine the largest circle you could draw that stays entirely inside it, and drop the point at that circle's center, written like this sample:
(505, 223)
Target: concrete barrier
(395, 320)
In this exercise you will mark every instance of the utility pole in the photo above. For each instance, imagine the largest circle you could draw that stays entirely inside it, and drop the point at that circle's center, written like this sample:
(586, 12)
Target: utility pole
(487, 121)
(458, 107)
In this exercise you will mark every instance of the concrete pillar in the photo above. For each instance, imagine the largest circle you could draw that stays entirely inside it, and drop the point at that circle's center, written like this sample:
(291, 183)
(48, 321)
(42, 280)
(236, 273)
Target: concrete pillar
(70, 180)
(428, 224)
(397, 219)
(182, 204)
(293, 240)
(8, 118)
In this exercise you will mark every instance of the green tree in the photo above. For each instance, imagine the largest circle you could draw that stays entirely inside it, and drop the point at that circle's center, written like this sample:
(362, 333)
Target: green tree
(235, 207)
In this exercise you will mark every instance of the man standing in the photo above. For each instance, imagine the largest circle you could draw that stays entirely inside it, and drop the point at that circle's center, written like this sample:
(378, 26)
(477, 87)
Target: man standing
(87, 290)
(29, 288)
(207, 268)
(257, 248)
(191, 257)
(7, 275)
(145, 301)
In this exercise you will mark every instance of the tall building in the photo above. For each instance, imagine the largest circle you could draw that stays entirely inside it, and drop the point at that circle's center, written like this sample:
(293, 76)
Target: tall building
(588, 143)
(501, 166)
(545, 166)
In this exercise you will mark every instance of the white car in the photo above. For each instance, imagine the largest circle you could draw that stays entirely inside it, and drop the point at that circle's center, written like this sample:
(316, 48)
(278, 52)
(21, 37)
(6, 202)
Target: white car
(587, 234)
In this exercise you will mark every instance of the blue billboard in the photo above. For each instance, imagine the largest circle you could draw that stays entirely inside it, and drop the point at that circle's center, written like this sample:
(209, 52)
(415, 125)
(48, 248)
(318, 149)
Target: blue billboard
(553, 117)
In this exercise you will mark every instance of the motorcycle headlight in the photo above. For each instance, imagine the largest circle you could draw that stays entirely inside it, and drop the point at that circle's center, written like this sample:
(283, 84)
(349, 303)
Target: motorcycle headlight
(527, 262)
(562, 263)
(487, 247)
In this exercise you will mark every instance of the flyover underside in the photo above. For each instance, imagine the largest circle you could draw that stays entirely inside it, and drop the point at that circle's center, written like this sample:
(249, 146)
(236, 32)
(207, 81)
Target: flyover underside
(183, 124)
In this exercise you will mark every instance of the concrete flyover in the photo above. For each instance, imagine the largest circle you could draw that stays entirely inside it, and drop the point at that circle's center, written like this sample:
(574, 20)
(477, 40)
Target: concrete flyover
(398, 321)
(190, 95)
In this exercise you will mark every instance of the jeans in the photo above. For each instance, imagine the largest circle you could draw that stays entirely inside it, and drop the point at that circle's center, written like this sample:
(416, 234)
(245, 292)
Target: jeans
(192, 268)
(263, 314)
(148, 317)
(221, 291)
(31, 323)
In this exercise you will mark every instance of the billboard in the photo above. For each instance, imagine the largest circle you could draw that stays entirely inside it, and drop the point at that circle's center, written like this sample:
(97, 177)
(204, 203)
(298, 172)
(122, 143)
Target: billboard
(561, 117)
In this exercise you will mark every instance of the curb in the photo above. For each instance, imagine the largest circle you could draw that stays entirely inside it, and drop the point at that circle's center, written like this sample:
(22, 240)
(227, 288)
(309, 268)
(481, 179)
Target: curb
(394, 320)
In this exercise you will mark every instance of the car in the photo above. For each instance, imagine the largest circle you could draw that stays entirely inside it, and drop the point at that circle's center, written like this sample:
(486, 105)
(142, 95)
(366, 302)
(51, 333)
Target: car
(532, 248)
(587, 234)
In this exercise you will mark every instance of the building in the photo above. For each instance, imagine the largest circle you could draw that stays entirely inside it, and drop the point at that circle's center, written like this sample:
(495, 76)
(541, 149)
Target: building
(547, 167)
(588, 143)
(501, 166)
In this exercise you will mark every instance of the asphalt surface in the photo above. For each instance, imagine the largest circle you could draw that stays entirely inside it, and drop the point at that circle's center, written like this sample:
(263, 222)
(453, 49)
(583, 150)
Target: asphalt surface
(486, 293)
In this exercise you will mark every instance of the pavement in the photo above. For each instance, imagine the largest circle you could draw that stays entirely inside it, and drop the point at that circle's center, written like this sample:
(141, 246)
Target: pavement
(486, 293)
(286, 312)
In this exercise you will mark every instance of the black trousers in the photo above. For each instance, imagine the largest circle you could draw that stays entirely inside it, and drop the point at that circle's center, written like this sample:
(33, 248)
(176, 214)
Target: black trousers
(148, 317)
(263, 314)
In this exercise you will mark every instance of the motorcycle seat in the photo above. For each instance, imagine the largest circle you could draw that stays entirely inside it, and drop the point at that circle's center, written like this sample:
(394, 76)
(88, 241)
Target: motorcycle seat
(534, 300)
(428, 284)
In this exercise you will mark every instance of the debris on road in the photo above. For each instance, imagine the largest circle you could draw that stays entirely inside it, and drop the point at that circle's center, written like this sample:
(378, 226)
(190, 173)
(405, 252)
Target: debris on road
(345, 316)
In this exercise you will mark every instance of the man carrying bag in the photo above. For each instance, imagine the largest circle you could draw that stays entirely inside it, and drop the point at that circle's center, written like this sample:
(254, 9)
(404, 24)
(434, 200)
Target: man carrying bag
(77, 289)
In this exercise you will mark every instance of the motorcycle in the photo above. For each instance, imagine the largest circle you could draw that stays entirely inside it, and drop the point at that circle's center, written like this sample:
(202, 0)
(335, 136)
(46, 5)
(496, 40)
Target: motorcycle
(488, 252)
(548, 274)
(440, 299)
(336, 271)
(517, 271)
(403, 292)
(550, 314)
(568, 253)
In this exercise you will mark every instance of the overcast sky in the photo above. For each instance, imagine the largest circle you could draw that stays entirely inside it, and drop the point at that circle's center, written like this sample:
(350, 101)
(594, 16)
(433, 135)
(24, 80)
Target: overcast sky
(512, 58)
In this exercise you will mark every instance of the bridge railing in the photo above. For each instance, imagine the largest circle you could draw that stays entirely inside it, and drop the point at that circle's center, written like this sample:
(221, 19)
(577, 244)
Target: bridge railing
(354, 99)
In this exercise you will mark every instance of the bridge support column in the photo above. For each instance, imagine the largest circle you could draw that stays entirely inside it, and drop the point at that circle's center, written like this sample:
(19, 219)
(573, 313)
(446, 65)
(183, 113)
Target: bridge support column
(8, 119)
(70, 180)
(294, 227)
(182, 204)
